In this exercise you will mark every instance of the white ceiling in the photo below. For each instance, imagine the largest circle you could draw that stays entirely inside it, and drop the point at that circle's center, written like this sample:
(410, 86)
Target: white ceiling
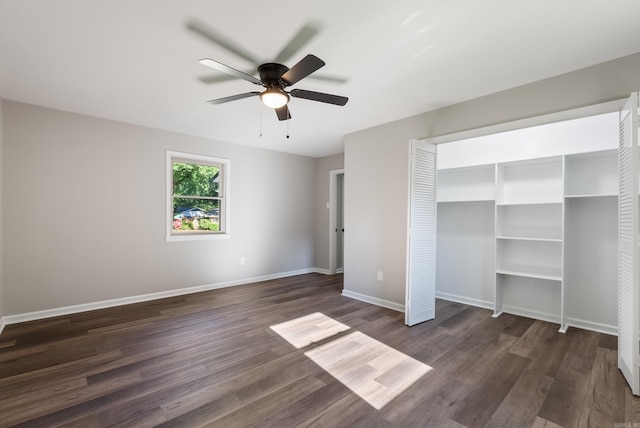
(136, 61)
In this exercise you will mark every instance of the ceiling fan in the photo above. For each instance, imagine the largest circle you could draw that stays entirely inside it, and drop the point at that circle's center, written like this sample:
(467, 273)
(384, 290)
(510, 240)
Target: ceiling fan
(275, 78)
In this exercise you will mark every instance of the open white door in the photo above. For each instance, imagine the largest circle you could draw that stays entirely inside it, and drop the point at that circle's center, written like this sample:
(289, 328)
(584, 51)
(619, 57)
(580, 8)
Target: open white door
(420, 295)
(628, 246)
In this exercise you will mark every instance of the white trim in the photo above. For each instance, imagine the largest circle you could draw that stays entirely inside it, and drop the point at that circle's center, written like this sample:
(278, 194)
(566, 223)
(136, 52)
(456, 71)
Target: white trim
(373, 300)
(528, 313)
(570, 322)
(197, 237)
(333, 214)
(32, 316)
(225, 187)
(593, 326)
(591, 110)
(67, 310)
(464, 300)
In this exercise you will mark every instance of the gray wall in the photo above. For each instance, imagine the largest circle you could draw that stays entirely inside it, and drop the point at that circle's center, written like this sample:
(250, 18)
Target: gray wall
(376, 163)
(322, 190)
(84, 214)
(600, 83)
(375, 192)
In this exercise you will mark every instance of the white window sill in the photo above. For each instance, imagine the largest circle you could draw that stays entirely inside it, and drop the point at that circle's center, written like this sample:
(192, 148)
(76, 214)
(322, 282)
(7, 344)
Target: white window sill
(197, 237)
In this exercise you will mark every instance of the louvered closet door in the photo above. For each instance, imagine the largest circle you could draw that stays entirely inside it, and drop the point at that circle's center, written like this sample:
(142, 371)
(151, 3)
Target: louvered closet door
(628, 303)
(421, 260)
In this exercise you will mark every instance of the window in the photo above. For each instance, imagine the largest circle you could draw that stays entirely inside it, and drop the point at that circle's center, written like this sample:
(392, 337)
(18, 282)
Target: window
(197, 197)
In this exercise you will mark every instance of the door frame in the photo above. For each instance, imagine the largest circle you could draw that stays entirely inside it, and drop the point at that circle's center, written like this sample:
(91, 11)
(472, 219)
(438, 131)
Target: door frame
(333, 216)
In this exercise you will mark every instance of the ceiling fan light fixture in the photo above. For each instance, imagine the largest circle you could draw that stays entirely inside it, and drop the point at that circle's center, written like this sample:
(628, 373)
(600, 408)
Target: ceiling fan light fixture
(274, 97)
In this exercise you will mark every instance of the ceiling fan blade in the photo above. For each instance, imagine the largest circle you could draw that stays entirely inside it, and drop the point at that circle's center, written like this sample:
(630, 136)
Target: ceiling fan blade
(302, 37)
(233, 98)
(229, 70)
(219, 78)
(330, 78)
(203, 30)
(319, 96)
(302, 69)
(283, 112)
(215, 78)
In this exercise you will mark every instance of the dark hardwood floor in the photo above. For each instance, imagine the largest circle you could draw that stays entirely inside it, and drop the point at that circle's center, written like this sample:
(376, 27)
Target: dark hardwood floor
(211, 359)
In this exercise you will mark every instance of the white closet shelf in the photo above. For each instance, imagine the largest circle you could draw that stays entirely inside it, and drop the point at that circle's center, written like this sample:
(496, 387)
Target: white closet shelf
(594, 195)
(529, 238)
(505, 204)
(550, 274)
(444, 201)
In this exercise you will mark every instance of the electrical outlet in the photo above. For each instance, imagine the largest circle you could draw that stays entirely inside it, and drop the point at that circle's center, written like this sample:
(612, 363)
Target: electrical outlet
(379, 275)
(243, 261)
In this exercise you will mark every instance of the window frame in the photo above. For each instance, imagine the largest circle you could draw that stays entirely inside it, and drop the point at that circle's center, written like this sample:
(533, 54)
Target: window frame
(225, 206)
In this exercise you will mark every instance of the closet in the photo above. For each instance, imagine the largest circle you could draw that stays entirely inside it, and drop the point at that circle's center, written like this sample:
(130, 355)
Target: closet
(527, 222)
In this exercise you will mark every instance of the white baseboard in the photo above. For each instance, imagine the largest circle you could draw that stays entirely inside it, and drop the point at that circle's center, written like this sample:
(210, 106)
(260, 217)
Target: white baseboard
(527, 313)
(373, 300)
(326, 271)
(48, 313)
(31, 316)
(464, 300)
(571, 322)
(593, 326)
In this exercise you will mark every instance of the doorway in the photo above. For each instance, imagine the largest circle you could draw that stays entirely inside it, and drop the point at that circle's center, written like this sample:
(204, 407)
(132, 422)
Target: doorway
(336, 221)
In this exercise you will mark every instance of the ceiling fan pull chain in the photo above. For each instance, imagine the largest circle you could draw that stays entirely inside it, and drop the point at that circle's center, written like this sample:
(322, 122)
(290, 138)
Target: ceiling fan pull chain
(288, 128)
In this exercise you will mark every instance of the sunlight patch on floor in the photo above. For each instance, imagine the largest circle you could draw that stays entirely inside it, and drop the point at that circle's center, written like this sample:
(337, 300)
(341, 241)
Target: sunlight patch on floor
(371, 369)
(309, 329)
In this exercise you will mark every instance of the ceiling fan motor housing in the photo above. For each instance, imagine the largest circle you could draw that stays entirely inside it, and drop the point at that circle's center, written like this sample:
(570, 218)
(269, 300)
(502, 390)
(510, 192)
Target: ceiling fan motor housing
(270, 74)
